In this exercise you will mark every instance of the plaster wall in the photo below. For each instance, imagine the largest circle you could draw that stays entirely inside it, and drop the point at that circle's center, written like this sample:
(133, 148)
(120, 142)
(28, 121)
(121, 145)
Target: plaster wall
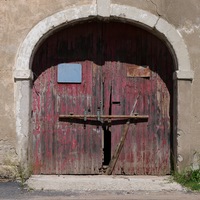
(18, 17)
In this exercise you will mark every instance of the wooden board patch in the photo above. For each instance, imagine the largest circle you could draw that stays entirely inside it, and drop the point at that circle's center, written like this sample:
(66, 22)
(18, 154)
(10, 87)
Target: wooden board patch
(138, 71)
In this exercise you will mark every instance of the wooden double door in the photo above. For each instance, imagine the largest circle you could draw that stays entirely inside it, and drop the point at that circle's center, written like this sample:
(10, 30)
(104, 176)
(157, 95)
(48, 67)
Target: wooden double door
(86, 146)
(112, 56)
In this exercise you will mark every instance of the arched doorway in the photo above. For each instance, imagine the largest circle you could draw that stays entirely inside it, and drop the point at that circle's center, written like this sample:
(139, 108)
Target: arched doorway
(121, 65)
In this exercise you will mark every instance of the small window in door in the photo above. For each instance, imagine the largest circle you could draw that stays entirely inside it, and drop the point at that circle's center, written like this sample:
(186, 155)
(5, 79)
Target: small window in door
(69, 73)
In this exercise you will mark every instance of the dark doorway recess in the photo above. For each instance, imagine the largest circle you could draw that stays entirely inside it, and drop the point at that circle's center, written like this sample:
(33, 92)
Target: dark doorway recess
(118, 61)
(107, 147)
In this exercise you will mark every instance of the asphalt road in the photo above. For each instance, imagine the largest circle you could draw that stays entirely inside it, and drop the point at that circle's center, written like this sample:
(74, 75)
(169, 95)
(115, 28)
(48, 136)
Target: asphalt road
(13, 190)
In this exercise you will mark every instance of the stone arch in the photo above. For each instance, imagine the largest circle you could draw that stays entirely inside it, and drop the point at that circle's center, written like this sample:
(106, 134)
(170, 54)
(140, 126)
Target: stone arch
(22, 68)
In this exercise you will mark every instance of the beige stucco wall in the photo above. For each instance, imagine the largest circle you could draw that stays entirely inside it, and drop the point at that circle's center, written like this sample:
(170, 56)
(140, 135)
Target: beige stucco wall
(18, 17)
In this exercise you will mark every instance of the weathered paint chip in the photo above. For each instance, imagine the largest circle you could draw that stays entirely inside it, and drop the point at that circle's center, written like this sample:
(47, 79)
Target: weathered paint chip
(138, 71)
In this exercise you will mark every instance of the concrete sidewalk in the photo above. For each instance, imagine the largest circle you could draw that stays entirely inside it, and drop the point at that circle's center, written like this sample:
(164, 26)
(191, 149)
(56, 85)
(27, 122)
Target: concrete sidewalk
(96, 188)
(102, 183)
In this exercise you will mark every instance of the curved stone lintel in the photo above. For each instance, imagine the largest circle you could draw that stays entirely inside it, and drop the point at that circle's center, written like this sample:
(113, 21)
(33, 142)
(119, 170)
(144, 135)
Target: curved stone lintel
(44, 27)
(172, 36)
(103, 8)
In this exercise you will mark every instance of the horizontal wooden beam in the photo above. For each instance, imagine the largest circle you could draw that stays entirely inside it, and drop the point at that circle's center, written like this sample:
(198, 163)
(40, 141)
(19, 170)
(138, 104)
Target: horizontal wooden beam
(104, 116)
